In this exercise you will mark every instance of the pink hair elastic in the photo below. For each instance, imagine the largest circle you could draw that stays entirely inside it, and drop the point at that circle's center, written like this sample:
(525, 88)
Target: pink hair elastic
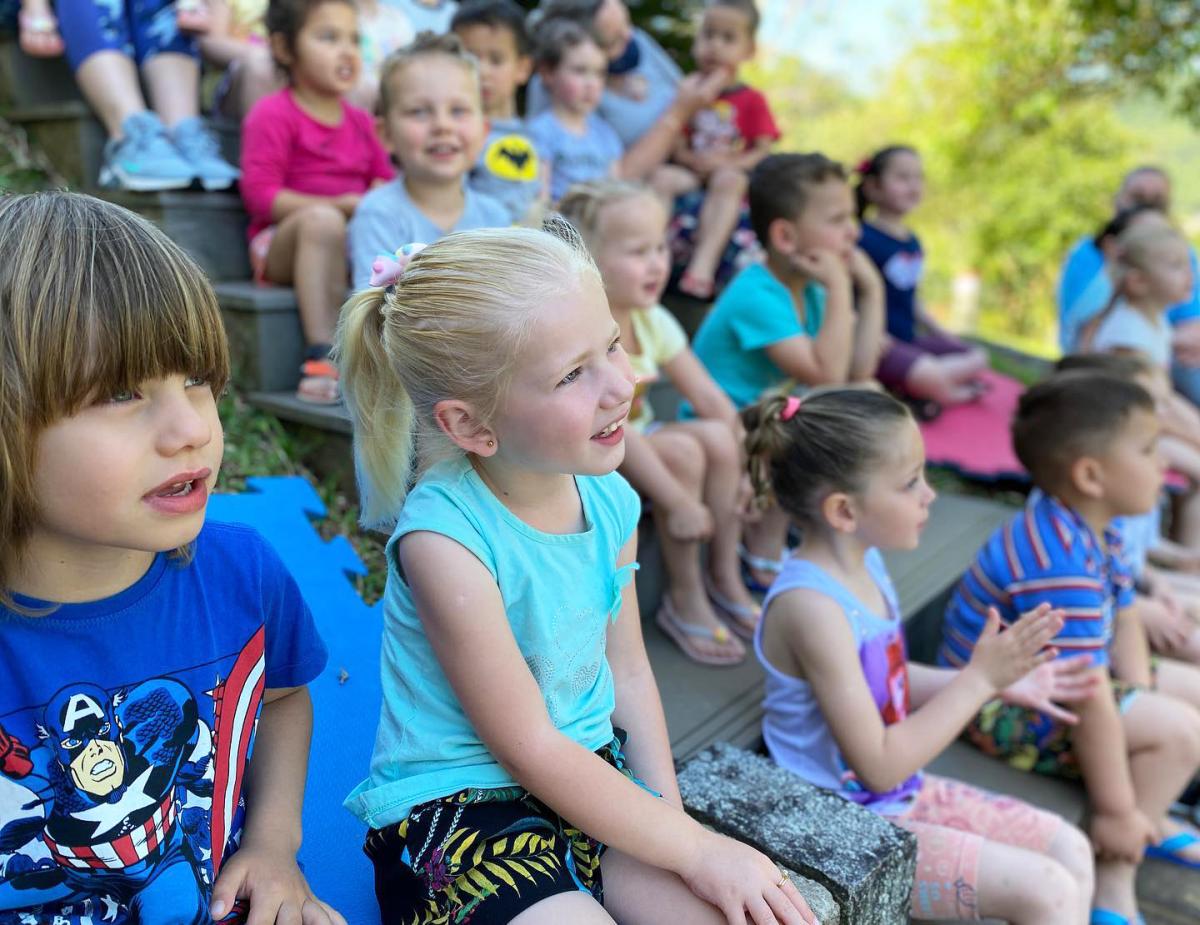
(387, 269)
(790, 407)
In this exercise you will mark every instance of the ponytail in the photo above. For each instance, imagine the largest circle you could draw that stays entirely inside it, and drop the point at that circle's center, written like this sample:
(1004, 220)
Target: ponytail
(380, 409)
(801, 450)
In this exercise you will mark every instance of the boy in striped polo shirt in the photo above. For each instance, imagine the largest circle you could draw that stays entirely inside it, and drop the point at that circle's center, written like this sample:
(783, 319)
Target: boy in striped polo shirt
(1090, 444)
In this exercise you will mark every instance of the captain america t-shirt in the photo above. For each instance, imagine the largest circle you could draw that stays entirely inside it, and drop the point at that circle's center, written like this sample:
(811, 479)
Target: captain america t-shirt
(902, 264)
(126, 728)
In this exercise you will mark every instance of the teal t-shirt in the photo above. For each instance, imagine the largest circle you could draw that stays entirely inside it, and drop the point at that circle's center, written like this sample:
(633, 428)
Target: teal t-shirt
(559, 591)
(755, 311)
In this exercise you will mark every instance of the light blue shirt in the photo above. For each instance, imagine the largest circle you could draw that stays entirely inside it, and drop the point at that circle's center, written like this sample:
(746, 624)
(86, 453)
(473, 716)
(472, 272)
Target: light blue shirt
(387, 219)
(1084, 289)
(572, 158)
(508, 169)
(631, 117)
(427, 15)
(755, 311)
(560, 591)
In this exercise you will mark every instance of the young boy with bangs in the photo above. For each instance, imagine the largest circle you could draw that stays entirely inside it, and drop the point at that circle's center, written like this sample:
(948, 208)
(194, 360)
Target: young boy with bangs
(811, 314)
(508, 169)
(1090, 444)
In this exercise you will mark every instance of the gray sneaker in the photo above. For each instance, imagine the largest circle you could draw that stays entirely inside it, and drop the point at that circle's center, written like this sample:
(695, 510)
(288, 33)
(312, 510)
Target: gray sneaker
(144, 159)
(199, 148)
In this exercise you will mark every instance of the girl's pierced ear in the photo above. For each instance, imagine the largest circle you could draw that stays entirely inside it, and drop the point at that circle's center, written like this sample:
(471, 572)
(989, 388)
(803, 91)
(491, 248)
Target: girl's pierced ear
(491, 443)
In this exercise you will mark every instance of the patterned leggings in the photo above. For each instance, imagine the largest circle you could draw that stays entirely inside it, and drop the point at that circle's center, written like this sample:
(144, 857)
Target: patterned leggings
(139, 29)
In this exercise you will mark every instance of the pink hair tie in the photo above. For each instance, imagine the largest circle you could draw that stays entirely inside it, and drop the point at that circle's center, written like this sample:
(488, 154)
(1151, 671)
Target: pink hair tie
(790, 407)
(387, 269)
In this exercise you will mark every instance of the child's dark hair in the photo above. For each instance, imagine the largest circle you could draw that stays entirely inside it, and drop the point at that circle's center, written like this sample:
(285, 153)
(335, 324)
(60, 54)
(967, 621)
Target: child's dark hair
(832, 442)
(747, 8)
(874, 166)
(1070, 415)
(287, 18)
(779, 187)
(1116, 225)
(554, 38)
(1126, 366)
(495, 14)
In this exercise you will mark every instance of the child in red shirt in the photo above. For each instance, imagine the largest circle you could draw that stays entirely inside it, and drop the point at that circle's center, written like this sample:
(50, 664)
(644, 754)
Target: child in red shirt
(723, 142)
(307, 159)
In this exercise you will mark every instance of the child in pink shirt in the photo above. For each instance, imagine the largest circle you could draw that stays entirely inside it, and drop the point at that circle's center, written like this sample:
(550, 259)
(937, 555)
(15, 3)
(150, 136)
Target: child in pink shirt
(307, 159)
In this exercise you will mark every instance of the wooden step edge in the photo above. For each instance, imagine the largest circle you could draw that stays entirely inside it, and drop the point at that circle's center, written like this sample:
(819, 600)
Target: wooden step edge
(287, 407)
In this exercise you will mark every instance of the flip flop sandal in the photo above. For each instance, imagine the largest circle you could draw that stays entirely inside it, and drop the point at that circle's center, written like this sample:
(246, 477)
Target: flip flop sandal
(684, 634)
(192, 16)
(741, 619)
(1108, 917)
(758, 563)
(45, 27)
(1171, 850)
(318, 370)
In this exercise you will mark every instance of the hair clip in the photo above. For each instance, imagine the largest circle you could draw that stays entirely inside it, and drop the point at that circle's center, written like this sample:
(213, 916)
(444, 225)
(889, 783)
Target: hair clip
(387, 269)
(865, 166)
(790, 406)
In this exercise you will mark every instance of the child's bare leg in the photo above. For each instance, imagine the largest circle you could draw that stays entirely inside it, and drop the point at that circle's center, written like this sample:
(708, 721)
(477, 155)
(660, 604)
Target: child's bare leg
(1162, 735)
(718, 218)
(109, 81)
(764, 538)
(637, 894)
(947, 379)
(1186, 524)
(308, 252)
(173, 81)
(1027, 888)
(566, 907)
(255, 77)
(683, 455)
(671, 181)
(721, 483)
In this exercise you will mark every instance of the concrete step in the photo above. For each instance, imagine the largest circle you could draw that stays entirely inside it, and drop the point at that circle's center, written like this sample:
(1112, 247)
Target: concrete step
(265, 340)
(211, 227)
(26, 81)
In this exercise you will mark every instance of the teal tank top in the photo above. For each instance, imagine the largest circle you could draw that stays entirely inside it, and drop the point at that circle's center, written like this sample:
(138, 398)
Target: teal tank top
(560, 591)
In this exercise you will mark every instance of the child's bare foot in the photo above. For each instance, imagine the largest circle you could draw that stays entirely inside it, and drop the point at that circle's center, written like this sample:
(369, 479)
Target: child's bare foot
(734, 604)
(192, 15)
(39, 37)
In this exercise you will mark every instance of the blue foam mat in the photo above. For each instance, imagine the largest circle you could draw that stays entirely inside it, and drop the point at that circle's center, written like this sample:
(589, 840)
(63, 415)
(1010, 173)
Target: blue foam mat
(345, 696)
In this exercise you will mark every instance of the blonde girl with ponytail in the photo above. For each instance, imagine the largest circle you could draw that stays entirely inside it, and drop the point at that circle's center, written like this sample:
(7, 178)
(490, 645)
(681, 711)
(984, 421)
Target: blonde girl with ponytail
(521, 770)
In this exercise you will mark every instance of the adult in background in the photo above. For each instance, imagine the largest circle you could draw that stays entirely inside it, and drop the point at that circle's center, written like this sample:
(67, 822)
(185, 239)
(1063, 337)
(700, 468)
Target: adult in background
(646, 98)
(1084, 287)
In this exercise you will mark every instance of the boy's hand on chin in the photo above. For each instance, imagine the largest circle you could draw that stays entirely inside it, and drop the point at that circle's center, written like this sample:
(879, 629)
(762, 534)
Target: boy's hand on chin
(271, 881)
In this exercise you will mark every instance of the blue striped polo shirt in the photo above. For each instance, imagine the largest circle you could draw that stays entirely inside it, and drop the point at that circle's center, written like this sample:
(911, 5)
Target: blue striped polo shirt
(1045, 553)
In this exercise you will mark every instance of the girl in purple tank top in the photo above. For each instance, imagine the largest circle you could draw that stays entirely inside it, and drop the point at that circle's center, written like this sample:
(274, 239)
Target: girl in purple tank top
(844, 707)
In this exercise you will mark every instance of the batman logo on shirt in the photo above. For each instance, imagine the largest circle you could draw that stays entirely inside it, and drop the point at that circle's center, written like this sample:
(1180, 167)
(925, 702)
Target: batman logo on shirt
(513, 158)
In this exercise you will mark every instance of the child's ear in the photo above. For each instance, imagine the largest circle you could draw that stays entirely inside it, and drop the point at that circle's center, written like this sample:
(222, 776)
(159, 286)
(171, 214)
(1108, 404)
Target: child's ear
(781, 236)
(280, 50)
(459, 422)
(1087, 477)
(524, 69)
(840, 512)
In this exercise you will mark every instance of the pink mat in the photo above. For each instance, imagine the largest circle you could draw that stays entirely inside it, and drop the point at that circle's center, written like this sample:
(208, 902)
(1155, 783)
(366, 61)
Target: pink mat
(973, 439)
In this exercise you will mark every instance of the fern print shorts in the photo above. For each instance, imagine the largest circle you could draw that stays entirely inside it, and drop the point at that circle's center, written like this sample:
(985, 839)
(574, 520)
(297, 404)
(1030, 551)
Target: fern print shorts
(483, 856)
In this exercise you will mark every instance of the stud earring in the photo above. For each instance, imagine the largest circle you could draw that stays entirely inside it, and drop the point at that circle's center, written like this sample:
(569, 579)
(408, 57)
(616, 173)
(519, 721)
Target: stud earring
(491, 443)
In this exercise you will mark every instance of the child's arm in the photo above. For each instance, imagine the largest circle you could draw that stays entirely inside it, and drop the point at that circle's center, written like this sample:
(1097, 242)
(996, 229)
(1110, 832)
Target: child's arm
(263, 870)
(687, 518)
(695, 384)
(750, 158)
(1173, 556)
(1129, 651)
(218, 45)
(639, 708)
(466, 625)
(824, 359)
(869, 327)
(822, 643)
(693, 93)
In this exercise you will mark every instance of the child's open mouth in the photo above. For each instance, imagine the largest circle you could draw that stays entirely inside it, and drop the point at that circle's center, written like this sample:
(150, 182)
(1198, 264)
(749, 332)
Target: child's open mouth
(612, 434)
(185, 493)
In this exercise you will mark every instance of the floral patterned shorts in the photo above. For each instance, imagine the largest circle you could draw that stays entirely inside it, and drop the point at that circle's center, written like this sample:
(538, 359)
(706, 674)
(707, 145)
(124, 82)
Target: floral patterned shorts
(483, 856)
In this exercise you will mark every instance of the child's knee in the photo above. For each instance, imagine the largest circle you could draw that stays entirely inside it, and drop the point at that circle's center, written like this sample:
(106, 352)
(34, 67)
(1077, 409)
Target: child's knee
(323, 223)
(684, 456)
(1073, 850)
(720, 445)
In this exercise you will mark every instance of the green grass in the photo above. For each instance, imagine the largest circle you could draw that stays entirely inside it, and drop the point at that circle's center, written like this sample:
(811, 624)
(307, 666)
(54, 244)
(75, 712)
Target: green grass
(258, 444)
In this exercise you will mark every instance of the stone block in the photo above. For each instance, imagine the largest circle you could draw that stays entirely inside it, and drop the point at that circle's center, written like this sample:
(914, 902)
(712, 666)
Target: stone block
(865, 863)
(26, 81)
(70, 136)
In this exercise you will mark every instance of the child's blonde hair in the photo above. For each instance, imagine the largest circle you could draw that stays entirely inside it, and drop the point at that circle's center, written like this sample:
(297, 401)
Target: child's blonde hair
(424, 45)
(452, 327)
(93, 301)
(1136, 247)
(582, 204)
